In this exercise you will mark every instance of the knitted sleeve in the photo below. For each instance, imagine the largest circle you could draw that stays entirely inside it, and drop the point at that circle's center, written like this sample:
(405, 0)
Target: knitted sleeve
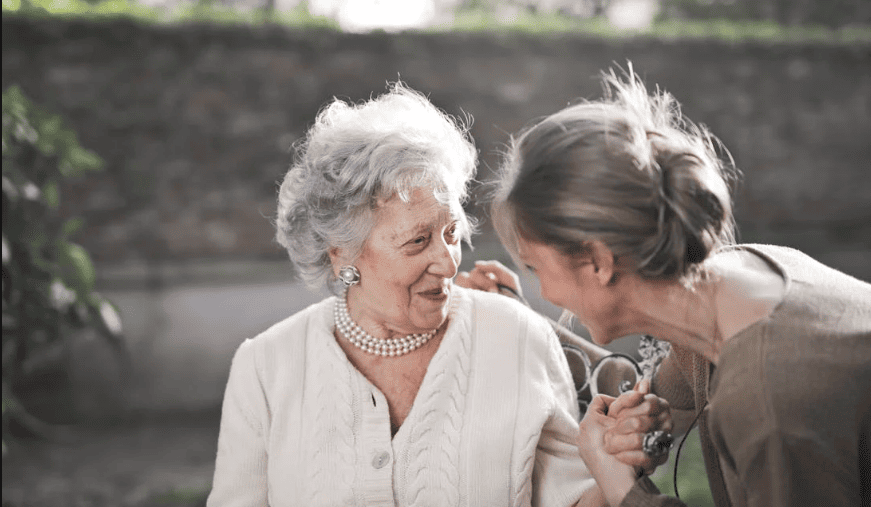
(560, 476)
(240, 468)
(670, 381)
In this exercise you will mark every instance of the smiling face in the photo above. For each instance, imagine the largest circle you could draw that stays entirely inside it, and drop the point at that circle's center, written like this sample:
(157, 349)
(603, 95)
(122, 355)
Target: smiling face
(556, 278)
(578, 285)
(406, 266)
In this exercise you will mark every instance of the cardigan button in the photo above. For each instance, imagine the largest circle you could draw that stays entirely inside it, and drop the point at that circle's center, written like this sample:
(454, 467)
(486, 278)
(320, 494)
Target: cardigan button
(380, 460)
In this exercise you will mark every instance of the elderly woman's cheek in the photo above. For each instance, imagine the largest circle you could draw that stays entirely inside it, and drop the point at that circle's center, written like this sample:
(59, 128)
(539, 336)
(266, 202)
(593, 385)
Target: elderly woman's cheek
(456, 253)
(445, 260)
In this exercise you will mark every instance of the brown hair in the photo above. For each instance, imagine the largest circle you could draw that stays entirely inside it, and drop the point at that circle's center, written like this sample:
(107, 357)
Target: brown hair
(628, 170)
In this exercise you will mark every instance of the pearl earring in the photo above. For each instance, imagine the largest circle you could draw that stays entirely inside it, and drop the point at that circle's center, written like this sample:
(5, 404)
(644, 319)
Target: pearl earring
(349, 275)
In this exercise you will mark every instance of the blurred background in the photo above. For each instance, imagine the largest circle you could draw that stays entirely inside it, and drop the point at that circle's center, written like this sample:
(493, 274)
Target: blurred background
(143, 144)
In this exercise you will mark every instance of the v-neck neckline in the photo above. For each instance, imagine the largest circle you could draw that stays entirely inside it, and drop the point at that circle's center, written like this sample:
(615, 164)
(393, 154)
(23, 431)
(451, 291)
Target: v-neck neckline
(446, 350)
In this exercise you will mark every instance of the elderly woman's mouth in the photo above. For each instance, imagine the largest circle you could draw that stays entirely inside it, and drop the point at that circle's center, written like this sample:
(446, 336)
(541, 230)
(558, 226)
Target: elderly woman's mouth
(437, 294)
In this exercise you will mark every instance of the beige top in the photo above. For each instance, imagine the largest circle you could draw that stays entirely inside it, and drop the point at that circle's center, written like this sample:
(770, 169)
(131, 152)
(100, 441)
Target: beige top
(787, 412)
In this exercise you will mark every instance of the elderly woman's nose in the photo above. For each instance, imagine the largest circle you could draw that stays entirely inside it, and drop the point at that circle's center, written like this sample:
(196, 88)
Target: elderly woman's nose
(445, 260)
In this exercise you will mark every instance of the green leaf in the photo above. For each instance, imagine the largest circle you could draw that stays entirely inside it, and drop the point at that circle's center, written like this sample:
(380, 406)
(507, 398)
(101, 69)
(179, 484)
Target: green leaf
(72, 226)
(48, 276)
(77, 268)
(49, 132)
(51, 194)
(46, 137)
(82, 160)
(25, 132)
(65, 141)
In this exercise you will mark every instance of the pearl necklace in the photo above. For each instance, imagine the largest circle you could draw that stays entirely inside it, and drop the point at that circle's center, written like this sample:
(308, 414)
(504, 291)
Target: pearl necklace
(387, 347)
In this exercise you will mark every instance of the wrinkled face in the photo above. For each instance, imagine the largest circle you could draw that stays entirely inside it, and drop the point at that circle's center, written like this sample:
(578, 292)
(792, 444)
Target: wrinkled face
(407, 266)
(571, 284)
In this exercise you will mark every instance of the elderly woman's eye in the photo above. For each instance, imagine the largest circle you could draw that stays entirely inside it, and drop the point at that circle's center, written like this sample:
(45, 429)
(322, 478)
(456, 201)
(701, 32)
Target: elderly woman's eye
(419, 240)
(451, 233)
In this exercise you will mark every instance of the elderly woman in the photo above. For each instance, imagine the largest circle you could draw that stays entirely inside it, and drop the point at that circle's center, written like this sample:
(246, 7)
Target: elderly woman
(403, 389)
(623, 211)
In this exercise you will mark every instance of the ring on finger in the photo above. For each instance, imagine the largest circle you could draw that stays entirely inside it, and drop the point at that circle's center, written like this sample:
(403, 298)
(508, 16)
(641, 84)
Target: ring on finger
(656, 443)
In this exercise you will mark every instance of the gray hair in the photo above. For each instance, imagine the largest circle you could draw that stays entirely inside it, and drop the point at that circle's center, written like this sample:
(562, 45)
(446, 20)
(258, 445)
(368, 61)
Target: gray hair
(628, 170)
(358, 155)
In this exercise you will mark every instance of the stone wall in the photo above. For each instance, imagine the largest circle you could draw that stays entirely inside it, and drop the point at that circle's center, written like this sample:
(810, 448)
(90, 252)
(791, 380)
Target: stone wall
(195, 122)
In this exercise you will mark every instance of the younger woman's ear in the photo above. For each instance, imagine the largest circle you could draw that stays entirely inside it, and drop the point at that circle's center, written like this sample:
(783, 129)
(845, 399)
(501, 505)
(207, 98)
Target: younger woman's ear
(603, 262)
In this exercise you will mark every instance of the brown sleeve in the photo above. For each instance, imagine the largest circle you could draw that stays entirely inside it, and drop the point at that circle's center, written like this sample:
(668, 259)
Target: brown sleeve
(670, 382)
(645, 494)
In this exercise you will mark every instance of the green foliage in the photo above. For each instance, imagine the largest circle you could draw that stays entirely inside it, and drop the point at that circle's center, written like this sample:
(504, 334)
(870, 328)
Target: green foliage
(183, 12)
(731, 30)
(679, 19)
(529, 22)
(181, 497)
(830, 13)
(735, 31)
(692, 479)
(48, 281)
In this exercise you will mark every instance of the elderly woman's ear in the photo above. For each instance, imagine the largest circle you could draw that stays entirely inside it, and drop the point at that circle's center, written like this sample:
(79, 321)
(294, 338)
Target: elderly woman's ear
(338, 259)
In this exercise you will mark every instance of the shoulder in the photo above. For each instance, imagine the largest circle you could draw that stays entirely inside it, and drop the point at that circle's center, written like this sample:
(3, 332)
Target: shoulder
(310, 319)
(271, 366)
(497, 306)
(495, 314)
(803, 269)
(503, 321)
(814, 292)
(285, 341)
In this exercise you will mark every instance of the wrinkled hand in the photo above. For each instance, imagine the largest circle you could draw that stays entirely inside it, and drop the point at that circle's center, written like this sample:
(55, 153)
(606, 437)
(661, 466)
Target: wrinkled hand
(614, 477)
(487, 276)
(635, 413)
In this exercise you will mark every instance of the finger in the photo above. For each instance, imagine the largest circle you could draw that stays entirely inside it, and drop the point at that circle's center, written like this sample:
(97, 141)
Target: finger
(650, 404)
(634, 425)
(625, 401)
(482, 281)
(615, 442)
(643, 386)
(600, 404)
(644, 424)
(663, 422)
(462, 279)
(639, 459)
(502, 274)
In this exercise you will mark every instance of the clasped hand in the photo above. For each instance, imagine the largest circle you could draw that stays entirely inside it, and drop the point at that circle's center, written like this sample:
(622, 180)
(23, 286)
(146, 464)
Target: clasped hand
(612, 432)
(613, 429)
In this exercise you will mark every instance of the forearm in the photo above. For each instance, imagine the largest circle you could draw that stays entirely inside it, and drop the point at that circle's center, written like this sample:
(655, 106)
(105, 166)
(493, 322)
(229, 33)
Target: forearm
(614, 484)
(645, 494)
(616, 488)
(593, 497)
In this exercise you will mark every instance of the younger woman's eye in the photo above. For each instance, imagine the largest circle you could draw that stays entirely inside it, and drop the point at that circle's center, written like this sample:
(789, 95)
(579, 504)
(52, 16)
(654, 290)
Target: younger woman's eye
(530, 269)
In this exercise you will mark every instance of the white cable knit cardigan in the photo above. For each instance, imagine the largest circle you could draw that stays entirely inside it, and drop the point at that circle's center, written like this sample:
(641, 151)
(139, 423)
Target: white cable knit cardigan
(493, 423)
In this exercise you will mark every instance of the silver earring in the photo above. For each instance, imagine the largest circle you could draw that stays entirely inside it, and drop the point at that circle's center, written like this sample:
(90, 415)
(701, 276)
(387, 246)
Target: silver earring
(349, 275)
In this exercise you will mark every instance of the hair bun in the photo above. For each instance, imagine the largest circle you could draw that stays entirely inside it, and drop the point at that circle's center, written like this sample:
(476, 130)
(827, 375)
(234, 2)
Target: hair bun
(629, 171)
(691, 216)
